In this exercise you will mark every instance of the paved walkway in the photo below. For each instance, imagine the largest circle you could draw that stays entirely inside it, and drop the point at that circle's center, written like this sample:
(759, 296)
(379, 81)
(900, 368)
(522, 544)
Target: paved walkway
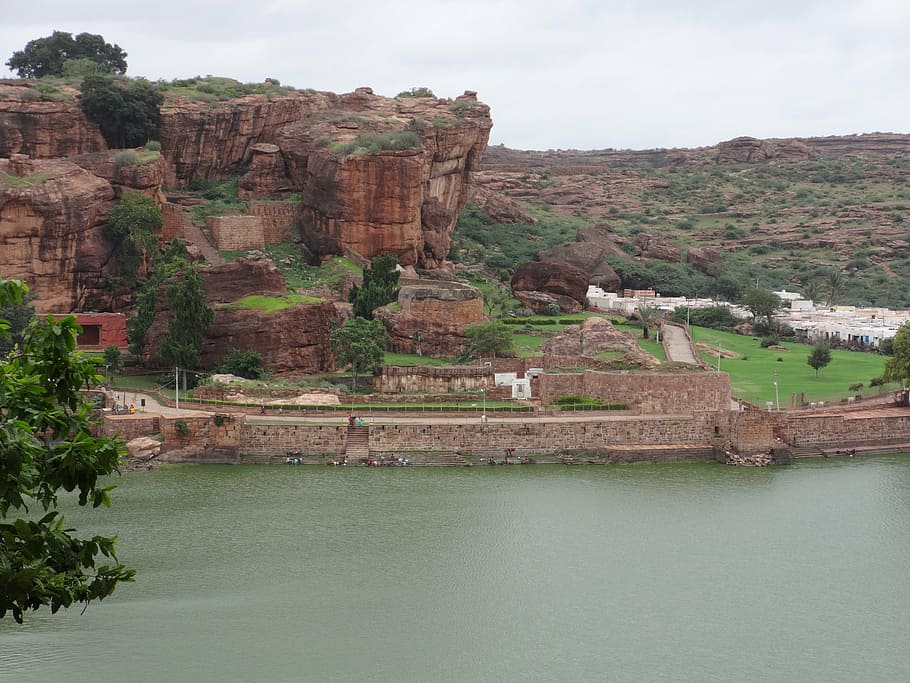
(677, 345)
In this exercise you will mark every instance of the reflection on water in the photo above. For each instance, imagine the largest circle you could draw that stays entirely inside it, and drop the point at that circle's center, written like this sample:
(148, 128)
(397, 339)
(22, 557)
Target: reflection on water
(635, 572)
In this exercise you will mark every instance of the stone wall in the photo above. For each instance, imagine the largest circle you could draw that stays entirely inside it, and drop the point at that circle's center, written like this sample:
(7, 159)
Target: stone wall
(128, 427)
(174, 218)
(430, 380)
(206, 440)
(280, 440)
(279, 220)
(236, 233)
(648, 392)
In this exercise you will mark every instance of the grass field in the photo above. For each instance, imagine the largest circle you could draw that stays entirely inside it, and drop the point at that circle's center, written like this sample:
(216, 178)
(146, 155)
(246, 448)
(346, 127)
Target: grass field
(752, 372)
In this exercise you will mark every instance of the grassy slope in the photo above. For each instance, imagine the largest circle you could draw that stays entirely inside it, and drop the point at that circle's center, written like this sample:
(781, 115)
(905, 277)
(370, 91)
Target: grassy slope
(752, 372)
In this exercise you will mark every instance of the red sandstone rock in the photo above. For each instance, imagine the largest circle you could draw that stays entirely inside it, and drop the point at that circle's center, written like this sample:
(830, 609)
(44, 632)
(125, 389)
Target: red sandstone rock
(562, 284)
(439, 311)
(745, 150)
(146, 176)
(703, 258)
(587, 252)
(267, 177)
(653, 247)
(43, 130)
(240, 278)
(51, 215)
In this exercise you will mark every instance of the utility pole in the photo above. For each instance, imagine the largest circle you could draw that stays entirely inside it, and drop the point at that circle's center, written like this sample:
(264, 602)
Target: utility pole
(177, 387)
(776, 392)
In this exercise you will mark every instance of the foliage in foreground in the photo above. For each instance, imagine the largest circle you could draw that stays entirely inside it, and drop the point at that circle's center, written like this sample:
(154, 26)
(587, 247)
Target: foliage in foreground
(45, 446)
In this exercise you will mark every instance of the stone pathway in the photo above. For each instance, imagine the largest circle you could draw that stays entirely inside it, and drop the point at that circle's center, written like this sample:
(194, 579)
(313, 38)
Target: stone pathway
(677, 345)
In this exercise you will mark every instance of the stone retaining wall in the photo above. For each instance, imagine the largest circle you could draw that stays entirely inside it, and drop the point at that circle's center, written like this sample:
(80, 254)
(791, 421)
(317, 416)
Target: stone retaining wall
(236, 233)
(649, 392)
(279, 220)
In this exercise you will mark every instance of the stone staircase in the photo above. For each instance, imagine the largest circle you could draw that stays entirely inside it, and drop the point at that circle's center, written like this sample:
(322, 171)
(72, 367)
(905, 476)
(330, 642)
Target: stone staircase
(357, 443)
(195, 235)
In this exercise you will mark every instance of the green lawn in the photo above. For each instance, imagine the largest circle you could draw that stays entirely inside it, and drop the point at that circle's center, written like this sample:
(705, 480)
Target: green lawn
(407, 359)
(752, 372)
(270, 304)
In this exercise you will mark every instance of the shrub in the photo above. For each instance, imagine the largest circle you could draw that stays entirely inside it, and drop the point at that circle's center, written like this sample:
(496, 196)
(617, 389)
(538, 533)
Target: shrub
(181, 428)
(29, 95)
(553, 309)
(461, 107)
(126, 158)
(371, 143)
(246, 364)
(153, 146)
(416, 92)
(769, 341)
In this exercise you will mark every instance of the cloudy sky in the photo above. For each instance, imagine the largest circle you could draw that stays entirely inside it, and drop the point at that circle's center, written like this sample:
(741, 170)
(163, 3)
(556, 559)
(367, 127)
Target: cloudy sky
(558, 74)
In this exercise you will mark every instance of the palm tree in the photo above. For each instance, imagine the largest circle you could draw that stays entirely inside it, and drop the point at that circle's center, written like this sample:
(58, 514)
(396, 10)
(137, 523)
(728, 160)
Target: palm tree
(836, 284)
(812, 291)
(648, 315)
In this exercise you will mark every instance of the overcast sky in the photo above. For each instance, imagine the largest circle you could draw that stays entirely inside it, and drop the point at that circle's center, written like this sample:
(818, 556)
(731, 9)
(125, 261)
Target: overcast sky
(558, 74)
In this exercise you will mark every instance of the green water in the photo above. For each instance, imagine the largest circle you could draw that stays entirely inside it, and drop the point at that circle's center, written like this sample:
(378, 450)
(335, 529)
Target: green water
(676, 572)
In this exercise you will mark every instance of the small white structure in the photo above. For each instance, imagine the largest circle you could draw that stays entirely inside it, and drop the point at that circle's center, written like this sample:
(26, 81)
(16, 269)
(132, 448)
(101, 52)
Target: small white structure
(521, 389)
(504, 379)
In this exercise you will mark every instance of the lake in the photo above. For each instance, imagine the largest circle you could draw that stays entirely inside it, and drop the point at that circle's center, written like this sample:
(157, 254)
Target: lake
(678, 572)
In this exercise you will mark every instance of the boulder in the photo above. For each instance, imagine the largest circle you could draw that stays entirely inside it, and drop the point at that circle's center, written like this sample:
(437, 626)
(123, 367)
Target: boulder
(653, 247)
(566, 285)
(146, 176)
(744, 150)
(143, 448)
(587, 252)
(439, 311)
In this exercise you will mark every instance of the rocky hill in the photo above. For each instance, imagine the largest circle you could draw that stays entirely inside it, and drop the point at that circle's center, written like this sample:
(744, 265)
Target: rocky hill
(785, 213)
(364, 174)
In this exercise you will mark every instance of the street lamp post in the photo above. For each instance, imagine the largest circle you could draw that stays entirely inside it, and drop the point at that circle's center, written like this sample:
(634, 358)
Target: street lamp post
(484, 390)
(776, 392)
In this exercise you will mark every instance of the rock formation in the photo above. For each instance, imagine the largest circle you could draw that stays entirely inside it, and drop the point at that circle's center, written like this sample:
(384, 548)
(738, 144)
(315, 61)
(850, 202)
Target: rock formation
(587, 252)
(439, 311)
(295, 339)
(44, 129)
(745, 150)
(540, 283)
(51, 214)
(654, 247)
(267, 177)
(240, 278)
(146, 176)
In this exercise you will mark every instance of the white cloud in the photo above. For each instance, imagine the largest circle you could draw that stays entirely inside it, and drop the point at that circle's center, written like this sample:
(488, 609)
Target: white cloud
(578, 73)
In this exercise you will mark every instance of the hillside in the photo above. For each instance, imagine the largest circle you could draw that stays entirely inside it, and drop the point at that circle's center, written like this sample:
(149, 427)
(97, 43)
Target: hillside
(783, 213)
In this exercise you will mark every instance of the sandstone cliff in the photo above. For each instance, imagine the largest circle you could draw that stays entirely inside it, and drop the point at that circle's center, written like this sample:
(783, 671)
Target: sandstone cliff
(51, 213)
(44, 129)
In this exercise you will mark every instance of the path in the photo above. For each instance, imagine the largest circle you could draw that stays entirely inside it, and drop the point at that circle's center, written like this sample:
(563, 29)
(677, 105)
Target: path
(196, 236)
(677, 345)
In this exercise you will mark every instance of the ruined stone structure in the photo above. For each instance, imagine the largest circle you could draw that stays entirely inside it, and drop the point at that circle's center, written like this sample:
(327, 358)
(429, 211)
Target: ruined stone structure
(433, 380)
(236, 233)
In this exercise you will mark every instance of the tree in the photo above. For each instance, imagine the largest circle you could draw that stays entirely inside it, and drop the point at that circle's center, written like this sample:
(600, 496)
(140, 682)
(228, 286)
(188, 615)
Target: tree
(126, 115)
(489, 339)
(897, 367)
(762, 304)
(820, 356)
(835, 287)
(647, 316)
(48, 56)
(360, 344)
(191, 316)
(170, 263)
(812, 291)
(133, 226)
(113, 360)
(46, 445)
(246, 364)
(17, 316)
(380, 286)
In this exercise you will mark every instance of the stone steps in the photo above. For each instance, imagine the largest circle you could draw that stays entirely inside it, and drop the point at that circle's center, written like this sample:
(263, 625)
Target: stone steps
(357, 443)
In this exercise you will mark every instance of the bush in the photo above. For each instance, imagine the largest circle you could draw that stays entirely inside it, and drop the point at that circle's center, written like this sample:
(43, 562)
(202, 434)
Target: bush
(553, 309)
(153, 146)
(126, 158)
(769, 341)
(857, 386)
(246, 364)
(371, 143)
(181, 427)
(416, 92)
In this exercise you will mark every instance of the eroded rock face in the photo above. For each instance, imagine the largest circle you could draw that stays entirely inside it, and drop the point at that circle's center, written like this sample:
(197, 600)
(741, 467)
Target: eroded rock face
(439, 311)
(540, 283)
(744, 150)
(240, 278)
(267, 177)
(51, 214)
(292, 340)
(43, 130)
(146, 176)
(703, 258)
